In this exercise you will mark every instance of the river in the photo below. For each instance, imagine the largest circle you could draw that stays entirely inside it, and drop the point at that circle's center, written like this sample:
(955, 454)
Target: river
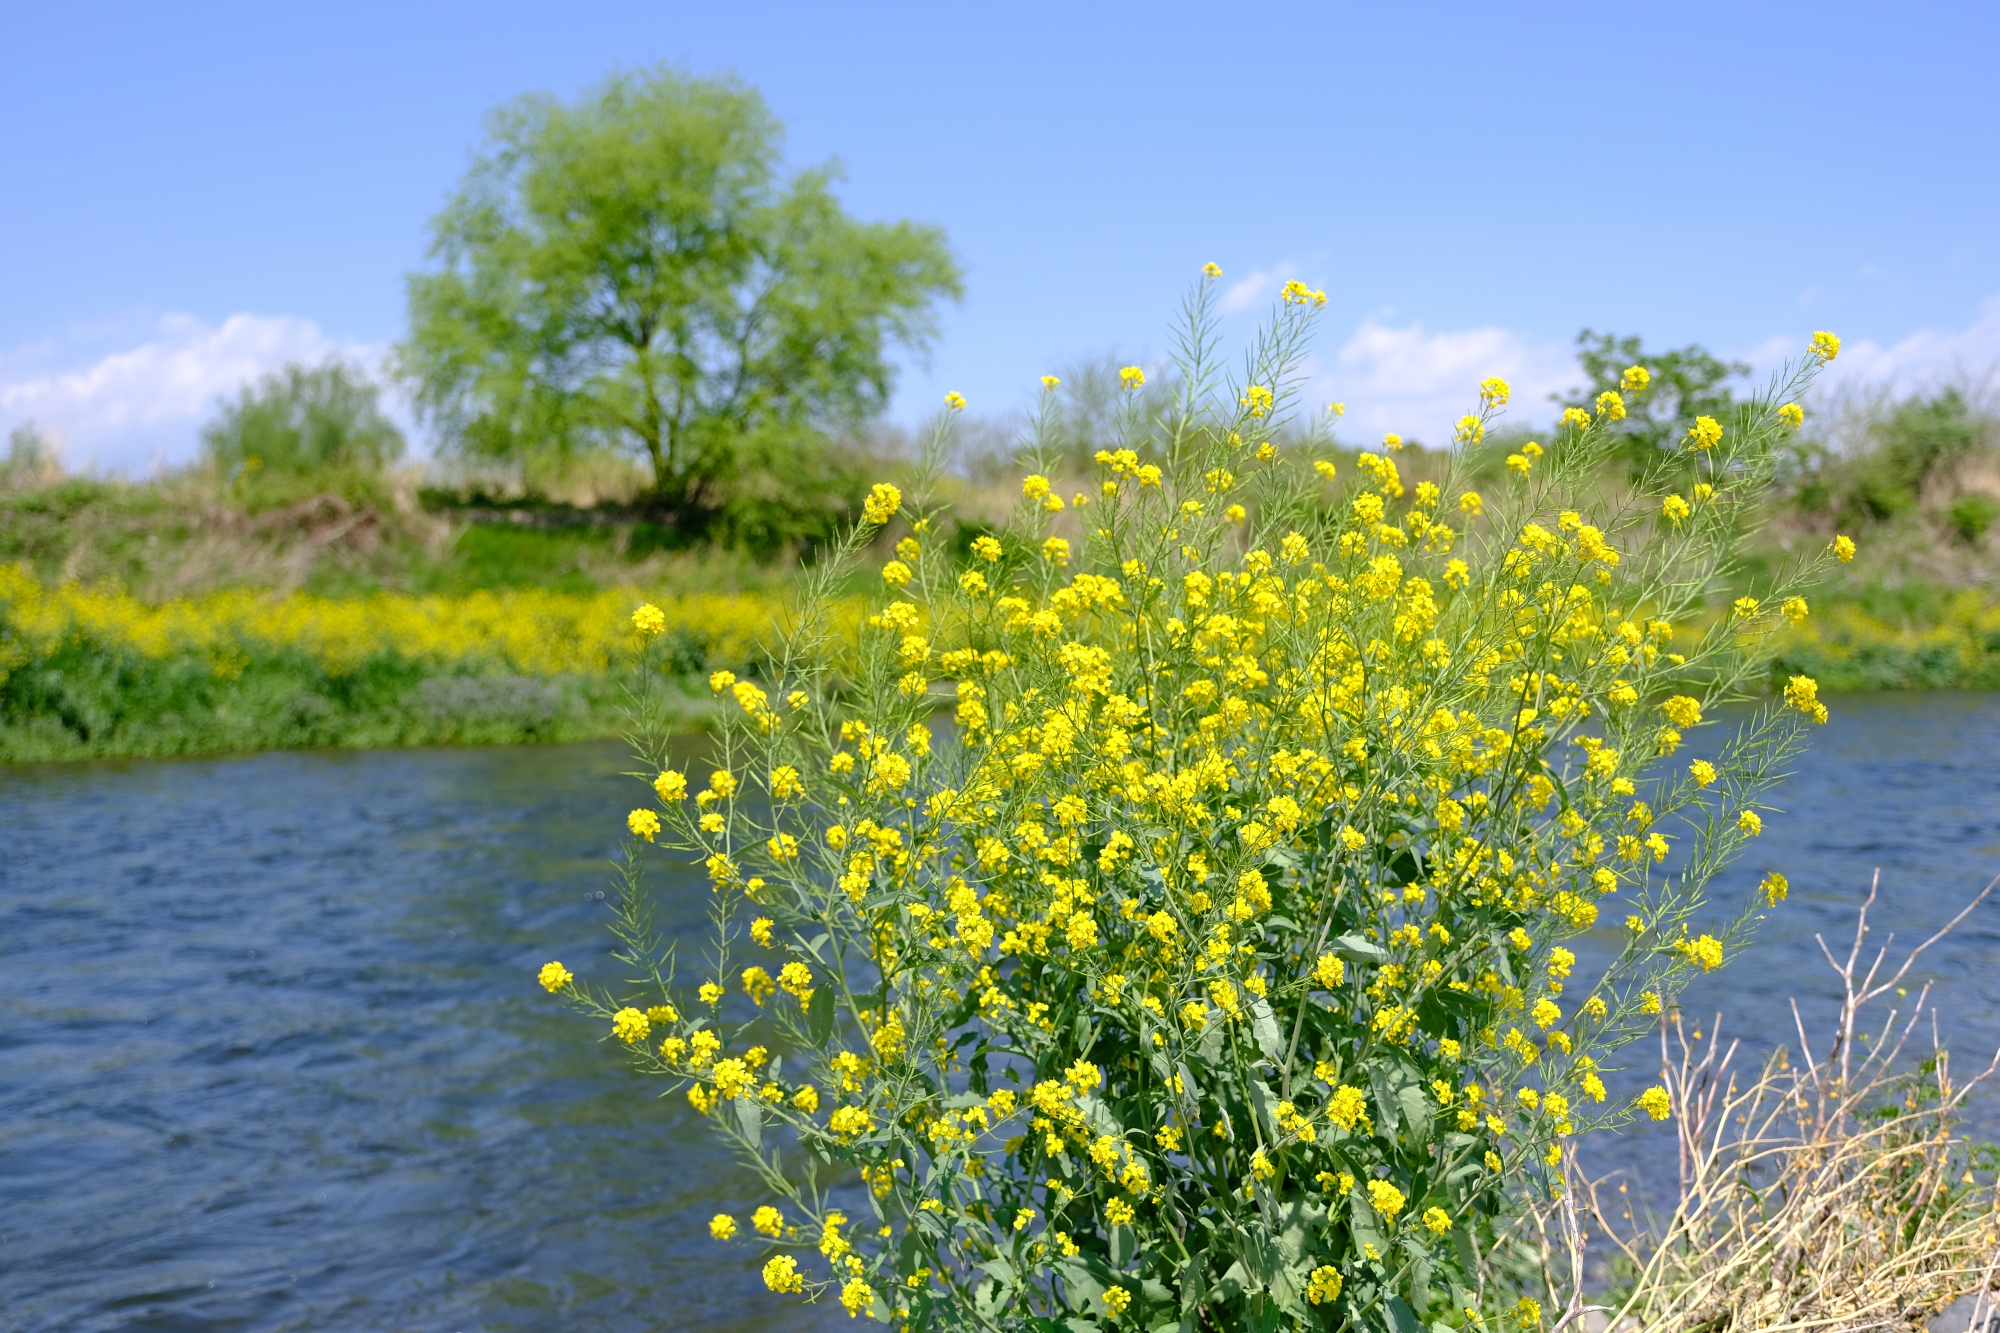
(271, 1055)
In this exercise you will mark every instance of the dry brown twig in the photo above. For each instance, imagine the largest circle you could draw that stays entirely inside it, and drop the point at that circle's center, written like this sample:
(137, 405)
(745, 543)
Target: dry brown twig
(1822, 1197)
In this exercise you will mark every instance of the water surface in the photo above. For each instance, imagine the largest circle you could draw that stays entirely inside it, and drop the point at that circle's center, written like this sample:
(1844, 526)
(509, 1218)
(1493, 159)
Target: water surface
(271, 1056)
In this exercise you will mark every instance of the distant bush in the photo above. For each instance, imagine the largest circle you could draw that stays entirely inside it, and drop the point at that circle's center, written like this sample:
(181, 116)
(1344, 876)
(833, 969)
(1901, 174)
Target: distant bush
(304, 419)
(1970, 516)
(31, 460)
(1878, 460)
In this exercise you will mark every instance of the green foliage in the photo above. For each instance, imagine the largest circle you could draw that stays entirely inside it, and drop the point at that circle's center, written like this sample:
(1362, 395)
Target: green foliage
(1685, 384)
(302, 420)
(631, 272)
(1909, 638)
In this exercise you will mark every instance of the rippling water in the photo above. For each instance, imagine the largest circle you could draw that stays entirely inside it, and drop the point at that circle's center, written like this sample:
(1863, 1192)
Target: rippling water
(271, 1058)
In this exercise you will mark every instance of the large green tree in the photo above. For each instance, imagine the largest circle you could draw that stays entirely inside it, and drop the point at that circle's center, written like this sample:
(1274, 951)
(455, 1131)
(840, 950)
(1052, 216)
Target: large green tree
(632, 271)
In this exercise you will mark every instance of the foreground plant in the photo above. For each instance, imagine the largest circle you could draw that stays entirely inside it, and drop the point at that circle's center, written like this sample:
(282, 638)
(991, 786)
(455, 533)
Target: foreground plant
(1210, 970)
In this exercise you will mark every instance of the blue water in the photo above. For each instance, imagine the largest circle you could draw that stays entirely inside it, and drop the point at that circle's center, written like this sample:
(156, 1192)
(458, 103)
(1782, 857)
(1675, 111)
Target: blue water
(271, 1056)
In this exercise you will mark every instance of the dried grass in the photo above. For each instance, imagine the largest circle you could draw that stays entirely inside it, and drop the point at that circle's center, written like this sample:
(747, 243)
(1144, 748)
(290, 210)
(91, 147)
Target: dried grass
(1832, 1193)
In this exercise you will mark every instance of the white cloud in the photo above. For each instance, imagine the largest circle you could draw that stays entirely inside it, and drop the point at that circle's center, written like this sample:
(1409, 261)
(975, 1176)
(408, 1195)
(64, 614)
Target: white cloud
(1923, 360)
(1417, 383)
(1927, 356)
(1255, 289)
(139, 408)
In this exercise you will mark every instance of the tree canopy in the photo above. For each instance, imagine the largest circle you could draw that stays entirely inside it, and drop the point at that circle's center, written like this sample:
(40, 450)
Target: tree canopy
(631, 271)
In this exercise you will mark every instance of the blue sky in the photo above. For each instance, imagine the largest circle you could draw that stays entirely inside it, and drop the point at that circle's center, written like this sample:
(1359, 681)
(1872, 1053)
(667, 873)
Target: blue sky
(195, 193)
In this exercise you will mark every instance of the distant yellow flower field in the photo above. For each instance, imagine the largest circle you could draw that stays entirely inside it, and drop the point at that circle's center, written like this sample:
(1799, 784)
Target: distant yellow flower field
(1957, 647)
(525, 632)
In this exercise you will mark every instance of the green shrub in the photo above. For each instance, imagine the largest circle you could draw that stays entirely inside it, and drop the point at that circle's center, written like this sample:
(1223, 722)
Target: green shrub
(302, 420)
(1970, 515)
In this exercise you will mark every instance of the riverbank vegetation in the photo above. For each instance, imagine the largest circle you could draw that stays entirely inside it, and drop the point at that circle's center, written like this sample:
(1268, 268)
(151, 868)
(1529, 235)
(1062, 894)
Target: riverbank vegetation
(118, 594)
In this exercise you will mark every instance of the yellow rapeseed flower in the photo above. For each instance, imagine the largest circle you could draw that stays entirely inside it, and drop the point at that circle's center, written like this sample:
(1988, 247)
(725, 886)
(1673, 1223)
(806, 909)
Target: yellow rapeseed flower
(630, 1025)
(1388, 1200)
(882, 503)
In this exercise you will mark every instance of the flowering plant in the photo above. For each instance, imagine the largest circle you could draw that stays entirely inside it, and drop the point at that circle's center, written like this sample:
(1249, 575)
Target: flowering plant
(1210, 970)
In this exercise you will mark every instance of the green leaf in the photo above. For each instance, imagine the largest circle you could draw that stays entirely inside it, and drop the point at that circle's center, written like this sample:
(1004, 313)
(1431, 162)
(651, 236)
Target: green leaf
(1265, 1262)
(1124, 1245)
(1296, 1220)
(1420, 1271)
(1193, 1285)
(1387, 1107)
(1288, 1287)
(819, 1016)
(1081, 1282)
(1416, 1111)
(1359, 949)
(1365, 1226)
(1402, 1319)
(750, 1116)
(1264, 1026)
(1098, 1116)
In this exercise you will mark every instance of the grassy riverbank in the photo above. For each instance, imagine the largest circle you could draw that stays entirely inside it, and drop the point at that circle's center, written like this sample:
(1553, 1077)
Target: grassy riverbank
(91, 672)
